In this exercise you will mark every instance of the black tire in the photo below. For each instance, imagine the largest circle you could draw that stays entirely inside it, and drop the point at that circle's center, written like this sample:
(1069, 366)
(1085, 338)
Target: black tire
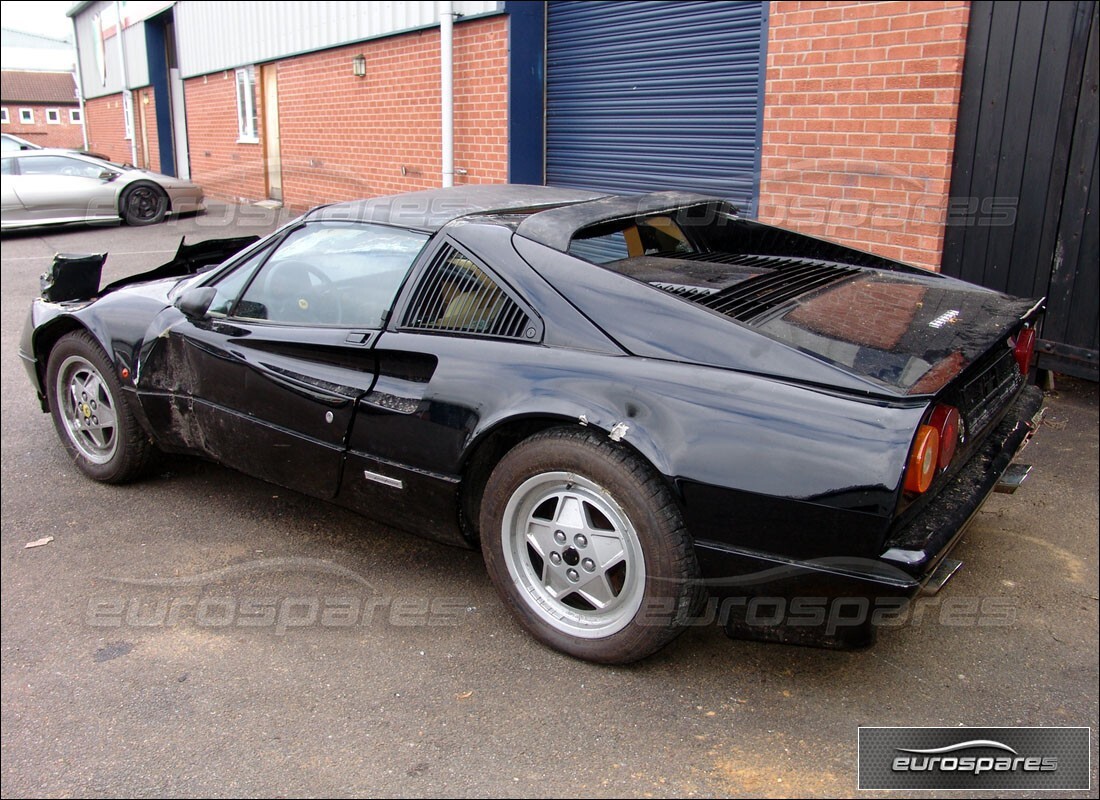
(554, 511)
(90, 412)
(143, 203)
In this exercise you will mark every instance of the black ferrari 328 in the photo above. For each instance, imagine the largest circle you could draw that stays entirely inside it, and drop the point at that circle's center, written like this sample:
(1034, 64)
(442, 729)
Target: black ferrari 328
(628, 402)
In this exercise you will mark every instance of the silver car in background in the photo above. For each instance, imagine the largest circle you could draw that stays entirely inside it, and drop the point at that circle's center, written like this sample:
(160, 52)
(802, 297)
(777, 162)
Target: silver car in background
(52, 187)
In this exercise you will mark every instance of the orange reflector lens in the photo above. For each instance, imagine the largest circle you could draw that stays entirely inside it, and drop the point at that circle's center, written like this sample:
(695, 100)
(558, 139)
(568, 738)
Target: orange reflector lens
(945, 420)
(923, 460)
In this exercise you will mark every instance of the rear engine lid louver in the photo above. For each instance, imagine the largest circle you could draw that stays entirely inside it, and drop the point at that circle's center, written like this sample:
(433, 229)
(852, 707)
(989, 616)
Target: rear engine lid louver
(751, 299)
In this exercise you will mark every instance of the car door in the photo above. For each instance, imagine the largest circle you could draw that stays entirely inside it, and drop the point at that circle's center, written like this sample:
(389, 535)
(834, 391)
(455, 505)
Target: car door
(410, 431)
(10, 206)
(267, 381)
(61, 187)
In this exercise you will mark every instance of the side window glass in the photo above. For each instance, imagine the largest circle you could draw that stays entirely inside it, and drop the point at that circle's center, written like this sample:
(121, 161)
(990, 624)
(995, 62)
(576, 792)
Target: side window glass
(230, 287)
(58, 165)
(343, 274)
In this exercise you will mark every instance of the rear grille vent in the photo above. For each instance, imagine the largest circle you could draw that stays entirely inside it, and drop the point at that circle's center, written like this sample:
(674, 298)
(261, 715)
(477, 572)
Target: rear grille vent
(680, 290)
(749, 300)
(753, 260)
(457, 296)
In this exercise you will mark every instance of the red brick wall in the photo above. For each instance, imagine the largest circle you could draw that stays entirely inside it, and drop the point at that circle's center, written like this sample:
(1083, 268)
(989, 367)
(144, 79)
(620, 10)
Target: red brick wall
(107, 128)
(481, 101)
(222, 166)
(344, 137)
(65, 134)
(859, 122)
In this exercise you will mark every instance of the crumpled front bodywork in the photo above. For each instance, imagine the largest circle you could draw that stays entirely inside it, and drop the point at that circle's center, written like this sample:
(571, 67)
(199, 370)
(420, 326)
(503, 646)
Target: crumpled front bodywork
(74, 277)
(70, 288)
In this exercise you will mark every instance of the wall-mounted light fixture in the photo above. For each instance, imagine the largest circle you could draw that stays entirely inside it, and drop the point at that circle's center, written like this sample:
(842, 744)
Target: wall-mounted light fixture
(359, 66)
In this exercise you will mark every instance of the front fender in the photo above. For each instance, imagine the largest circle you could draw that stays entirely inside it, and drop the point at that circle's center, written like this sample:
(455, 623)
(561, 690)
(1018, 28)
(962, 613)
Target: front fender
(46, 323)
(118, 323)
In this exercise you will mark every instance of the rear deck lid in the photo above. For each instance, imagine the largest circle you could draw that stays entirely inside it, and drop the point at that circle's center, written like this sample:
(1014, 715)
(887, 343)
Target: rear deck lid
(909, 331)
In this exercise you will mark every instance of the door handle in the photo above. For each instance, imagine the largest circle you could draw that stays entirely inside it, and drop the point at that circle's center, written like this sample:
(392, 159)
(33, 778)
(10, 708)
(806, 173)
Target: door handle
(358, 337)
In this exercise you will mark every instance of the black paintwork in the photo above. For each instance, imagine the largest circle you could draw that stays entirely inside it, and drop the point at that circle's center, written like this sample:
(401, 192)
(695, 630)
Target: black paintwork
(779, 455)
(431, 209)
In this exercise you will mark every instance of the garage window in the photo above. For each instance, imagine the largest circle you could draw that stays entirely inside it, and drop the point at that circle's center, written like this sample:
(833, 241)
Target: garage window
(53, 116)
(4, 116)
(26, 116)
(246, 105)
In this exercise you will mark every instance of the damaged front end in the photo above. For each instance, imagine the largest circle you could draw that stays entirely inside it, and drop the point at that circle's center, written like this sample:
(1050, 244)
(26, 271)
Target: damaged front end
(76, 277)
(71, 296)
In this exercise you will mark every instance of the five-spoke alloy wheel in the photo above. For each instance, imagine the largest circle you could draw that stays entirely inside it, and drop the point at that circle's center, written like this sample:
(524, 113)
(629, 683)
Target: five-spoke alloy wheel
(87, 409)
(574, 553)
(92, 418)
(143, 204)
(587, 547)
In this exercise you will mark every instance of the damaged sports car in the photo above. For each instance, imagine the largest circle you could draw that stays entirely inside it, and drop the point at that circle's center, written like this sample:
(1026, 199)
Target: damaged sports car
(627, 402)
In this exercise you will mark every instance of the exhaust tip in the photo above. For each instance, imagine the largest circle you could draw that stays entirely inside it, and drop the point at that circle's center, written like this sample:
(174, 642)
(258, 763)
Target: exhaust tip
(941, 575)
(1012, 478)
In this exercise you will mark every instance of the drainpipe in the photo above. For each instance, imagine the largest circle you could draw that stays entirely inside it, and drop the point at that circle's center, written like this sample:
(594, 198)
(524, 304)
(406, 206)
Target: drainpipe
(80, 86)
(128, 96)
(446, 80)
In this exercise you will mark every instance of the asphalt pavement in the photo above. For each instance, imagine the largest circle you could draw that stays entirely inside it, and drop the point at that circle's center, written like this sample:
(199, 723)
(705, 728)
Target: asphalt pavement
(202, 633)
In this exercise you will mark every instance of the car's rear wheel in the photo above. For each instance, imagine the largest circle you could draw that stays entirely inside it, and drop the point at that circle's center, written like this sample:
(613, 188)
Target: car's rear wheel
(587, 547)
(92, 418)
(143, 204)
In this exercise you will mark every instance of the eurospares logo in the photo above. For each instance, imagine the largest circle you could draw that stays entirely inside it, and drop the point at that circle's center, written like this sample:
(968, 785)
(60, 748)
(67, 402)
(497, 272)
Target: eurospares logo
(974, 758)
(953, 759)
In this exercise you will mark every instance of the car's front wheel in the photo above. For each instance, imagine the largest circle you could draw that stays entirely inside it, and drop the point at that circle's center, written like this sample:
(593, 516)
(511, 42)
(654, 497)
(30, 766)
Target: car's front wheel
(143, 204)
(587, 547)
(92, 418)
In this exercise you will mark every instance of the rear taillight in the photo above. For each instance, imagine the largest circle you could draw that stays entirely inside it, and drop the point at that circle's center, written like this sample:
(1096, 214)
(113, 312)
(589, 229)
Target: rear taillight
(945, 419)
(923, 460)
(1025, 349)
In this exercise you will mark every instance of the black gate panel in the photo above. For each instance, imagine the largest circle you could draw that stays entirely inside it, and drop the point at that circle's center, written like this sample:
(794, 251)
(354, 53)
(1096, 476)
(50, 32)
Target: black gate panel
(1023, 209)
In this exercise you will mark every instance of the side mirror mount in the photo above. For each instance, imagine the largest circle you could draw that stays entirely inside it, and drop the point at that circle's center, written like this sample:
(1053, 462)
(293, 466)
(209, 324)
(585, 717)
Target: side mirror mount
(195, 302)
(108, 175)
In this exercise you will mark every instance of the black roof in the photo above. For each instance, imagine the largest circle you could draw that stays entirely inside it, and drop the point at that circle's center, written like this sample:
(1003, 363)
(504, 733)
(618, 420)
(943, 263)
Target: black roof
(552, 215)
(431, 209)
(556, 227)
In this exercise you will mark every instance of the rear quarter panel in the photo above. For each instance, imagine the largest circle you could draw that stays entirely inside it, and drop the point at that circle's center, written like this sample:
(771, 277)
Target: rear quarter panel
(756, 462)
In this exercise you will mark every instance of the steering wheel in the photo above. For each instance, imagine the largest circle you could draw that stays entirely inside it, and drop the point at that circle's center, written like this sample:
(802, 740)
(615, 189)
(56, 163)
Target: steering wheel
(296, 298)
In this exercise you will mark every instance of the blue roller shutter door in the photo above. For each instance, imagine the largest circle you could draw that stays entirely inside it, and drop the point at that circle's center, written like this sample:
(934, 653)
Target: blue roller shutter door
(644, 96)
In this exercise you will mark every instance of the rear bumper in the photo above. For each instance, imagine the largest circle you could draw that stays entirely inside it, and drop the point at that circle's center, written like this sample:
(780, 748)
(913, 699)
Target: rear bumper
(918, 548)
(909, 560)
